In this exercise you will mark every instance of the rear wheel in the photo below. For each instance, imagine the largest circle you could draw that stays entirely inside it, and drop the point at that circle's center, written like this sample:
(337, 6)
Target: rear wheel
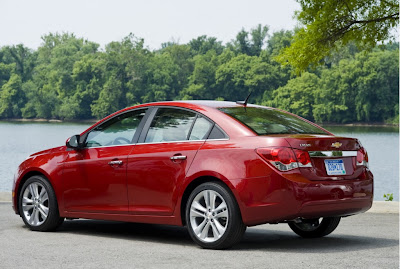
(38, 205)
(213, 217)
(313, 228)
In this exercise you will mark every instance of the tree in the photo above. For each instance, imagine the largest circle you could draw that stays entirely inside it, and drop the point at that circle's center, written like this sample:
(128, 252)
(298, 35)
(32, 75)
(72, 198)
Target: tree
(242, 74)
(23, 58)
(202, 83)
(297, 96)
(110, 98)
(332, 22)
(203, 44)
(258, 36)
(278, 41)
(11, 98)
(253, 47)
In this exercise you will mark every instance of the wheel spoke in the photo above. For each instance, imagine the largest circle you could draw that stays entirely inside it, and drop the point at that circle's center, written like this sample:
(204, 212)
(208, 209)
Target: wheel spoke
(43, 195)
(32, 216)
(199, 207)
(26, 200)
(207, 198)
(26, 207)
(204, 232)
(36, 190)
(221, 229)
(215, 231)
(221, 207)
(222, 214)
(199, 228)
(213, 196)
(32, 190)
(36, 217)
(34, 220)
(43, 211)
(195, 213)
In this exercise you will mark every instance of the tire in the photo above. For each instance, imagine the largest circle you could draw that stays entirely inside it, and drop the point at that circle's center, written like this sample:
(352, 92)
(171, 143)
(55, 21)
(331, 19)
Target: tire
(38, 205)
(217, 223)
(315, 228)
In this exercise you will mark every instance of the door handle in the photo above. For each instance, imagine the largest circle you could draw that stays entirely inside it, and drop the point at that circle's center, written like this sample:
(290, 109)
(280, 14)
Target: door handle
(115, 162)
(178, 157)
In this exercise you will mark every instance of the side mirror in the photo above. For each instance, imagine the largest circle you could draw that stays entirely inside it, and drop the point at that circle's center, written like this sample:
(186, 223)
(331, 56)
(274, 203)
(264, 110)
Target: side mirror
(73, 142)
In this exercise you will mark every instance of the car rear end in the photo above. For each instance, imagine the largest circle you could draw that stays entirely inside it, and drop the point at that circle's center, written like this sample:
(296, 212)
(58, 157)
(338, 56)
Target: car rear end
(319, 174)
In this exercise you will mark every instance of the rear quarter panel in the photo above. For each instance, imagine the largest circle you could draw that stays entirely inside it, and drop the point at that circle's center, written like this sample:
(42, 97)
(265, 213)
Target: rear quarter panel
(236, 163)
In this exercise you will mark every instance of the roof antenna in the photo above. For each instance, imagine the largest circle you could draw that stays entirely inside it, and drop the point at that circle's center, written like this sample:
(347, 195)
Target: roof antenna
(244, 103)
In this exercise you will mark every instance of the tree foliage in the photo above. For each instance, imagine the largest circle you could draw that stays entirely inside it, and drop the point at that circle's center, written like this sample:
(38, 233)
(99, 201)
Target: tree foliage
(70, 78)
(332, 23)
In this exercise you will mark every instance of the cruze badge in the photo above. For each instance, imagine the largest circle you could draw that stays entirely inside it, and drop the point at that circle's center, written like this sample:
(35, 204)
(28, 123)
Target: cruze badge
(305, 145)
(336, 145)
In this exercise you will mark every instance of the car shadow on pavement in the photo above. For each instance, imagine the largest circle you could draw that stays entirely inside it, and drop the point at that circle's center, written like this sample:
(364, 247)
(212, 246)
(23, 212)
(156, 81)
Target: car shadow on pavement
(128, 231)
(254, 238)
(288, 241)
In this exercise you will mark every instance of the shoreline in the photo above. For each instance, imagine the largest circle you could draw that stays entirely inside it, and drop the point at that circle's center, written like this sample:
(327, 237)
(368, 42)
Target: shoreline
(384, 207)
(360, 124)
(355, 124)
(50, 120)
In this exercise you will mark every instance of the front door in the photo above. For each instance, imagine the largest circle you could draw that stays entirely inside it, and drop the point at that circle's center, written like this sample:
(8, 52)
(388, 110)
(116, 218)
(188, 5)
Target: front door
(94, 177)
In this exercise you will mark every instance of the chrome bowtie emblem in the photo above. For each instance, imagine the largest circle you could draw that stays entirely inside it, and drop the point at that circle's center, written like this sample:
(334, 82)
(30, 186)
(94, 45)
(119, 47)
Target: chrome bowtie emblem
(336, 145)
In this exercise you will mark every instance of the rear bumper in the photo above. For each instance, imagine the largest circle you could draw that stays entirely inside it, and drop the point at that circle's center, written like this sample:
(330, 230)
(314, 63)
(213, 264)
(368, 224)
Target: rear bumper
(284, 199)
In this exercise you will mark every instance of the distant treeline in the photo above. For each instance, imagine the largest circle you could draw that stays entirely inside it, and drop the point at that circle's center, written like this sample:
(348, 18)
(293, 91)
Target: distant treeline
(72, 78)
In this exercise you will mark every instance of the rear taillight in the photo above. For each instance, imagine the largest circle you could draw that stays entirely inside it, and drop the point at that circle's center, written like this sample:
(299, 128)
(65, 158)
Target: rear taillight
(285, 159)
(362, 157)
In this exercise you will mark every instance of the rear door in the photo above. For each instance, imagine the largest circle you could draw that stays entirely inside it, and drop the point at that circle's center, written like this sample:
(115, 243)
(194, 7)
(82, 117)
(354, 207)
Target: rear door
(159, 162)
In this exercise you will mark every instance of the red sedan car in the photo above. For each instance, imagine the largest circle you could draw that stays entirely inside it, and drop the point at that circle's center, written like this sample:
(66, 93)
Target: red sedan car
(216, 167)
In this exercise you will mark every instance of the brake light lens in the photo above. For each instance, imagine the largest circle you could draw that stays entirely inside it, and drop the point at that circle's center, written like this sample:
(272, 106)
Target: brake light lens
(284, 158)
(362, 157)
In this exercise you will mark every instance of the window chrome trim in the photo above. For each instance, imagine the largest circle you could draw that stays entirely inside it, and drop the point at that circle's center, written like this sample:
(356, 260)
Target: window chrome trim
(143, 143)
(336, 153)
(110, 146)
(182, 141)
(218, 139)
(163, 142)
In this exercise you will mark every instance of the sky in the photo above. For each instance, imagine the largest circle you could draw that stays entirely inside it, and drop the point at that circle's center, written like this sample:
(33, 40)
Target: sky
(25, 21)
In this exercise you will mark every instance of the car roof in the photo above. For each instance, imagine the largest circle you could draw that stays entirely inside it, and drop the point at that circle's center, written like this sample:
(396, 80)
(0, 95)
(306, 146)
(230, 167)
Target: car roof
(207, 107)
(202, 103)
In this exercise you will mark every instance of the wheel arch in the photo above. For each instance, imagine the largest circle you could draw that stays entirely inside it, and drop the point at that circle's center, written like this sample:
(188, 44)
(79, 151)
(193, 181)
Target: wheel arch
(22, 181)
(194, 184)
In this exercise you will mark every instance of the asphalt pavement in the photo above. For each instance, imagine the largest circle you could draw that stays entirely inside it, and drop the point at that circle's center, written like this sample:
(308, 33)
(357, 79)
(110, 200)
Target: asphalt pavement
(369, 240)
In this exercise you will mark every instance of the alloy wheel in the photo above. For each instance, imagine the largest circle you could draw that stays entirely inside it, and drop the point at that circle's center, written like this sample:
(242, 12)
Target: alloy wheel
(35, 204)
(209, 216)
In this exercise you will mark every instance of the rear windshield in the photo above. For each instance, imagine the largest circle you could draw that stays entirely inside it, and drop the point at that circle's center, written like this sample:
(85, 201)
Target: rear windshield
(265, 121)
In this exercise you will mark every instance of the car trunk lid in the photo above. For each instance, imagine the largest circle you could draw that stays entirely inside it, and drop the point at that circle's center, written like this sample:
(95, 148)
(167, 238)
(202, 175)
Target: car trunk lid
(332, 157)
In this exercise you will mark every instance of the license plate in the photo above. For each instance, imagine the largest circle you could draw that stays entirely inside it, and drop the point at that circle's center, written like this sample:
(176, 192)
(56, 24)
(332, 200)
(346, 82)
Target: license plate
(334, 167)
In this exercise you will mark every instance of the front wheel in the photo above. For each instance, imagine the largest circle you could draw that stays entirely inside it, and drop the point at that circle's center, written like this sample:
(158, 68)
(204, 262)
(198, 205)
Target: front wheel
(313, 228)
(213, 217)
(38, 205)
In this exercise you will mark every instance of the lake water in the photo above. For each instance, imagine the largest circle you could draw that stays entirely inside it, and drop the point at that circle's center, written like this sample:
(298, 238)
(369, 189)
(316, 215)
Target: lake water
(20, 139)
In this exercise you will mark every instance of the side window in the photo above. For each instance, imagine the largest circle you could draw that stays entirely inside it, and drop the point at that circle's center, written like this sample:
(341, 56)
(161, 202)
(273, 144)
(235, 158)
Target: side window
(216, 133)
(117, 131)
(200, 129)
(170, 124)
